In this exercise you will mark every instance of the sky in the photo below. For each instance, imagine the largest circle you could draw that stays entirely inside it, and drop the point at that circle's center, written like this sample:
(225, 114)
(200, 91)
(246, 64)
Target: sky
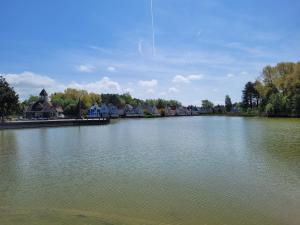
(188, 50)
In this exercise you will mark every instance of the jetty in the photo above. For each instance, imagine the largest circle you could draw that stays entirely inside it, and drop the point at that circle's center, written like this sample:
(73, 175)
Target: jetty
(52, 123)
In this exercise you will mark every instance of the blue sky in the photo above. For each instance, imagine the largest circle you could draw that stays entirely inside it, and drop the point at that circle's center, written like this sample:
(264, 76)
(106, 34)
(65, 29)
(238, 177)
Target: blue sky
(202, 49)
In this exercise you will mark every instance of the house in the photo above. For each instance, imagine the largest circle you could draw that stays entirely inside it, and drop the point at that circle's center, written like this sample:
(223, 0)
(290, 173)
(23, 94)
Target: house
(181, 111)
(139, 111)
(169, 111)
(131, 111)
(98, 111)
(193, 110)
(235, 109)
(43, 109)
(93, 112)
(128, 110)
(113, 111)
(152, 110)
(121, 112)
(203, 110)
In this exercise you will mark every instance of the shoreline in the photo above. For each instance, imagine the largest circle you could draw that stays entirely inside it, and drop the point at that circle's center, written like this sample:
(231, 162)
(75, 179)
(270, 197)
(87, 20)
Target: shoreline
(24, 124)
(53, 123)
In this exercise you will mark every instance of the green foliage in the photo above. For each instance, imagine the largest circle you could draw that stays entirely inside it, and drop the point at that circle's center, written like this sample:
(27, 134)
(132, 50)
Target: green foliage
(70, 98)
(162, 112)
(296, 105)
(278, 90)
(270, 109)
(71, 110)
(250, 97)
(228, 103)
(9, 100)
(206, 104)
(162, 103)
(220, 109)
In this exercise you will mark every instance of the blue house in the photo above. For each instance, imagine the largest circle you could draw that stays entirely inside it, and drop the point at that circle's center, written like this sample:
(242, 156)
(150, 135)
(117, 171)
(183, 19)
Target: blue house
(113, 111)
(98, 111)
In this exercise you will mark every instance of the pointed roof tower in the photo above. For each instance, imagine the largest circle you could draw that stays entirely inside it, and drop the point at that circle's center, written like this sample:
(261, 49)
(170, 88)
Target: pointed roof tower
(43, 93)
(43, 96)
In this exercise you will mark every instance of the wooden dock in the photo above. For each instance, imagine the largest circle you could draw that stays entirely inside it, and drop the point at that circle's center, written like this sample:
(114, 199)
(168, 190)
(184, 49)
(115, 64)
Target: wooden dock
(53, 123)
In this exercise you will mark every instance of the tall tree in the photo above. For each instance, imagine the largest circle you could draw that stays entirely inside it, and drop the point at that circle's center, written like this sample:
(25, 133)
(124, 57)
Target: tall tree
(206, 104)
(250, 96)
(228, 103)
(9, 100)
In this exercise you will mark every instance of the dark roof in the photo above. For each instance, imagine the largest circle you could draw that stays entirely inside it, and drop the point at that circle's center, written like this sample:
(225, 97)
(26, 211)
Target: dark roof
(43, 106)
(43, 93)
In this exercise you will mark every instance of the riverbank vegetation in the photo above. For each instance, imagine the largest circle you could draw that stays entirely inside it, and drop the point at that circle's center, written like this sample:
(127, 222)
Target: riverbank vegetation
(275, 93)
(9, 99)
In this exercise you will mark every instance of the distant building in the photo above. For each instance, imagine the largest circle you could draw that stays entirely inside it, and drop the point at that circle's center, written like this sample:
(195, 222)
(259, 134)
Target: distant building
(152, 110)
(113, 111)
(98, 111)
(43, 109)
(130, 111)
(139, 111)
(181, 111)
(169, 111)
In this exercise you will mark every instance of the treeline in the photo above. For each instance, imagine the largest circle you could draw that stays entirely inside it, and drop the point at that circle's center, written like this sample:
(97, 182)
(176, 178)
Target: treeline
(275, 93)
(70, 98)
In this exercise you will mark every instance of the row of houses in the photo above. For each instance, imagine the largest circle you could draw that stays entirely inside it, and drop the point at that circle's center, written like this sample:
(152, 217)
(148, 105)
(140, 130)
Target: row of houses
(128, 110)
(43, 109)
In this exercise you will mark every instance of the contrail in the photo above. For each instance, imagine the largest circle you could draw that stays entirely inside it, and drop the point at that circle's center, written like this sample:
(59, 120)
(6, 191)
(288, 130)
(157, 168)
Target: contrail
(153, 34)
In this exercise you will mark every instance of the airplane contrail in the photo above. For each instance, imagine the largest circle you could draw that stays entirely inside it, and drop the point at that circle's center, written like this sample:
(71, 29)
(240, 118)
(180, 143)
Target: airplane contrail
(153, 33)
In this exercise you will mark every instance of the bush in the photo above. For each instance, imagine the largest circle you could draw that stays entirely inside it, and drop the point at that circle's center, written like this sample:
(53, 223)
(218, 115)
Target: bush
(270, 109)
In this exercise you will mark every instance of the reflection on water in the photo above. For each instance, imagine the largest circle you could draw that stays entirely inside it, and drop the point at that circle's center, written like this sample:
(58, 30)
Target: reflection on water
(196, 170)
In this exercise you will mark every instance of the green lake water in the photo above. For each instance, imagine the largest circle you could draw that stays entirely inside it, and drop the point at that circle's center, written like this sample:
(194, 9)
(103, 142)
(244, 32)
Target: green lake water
(184, 171)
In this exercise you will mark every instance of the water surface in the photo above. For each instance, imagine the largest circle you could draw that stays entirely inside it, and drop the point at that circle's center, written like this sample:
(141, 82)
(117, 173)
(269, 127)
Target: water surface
(188, 170)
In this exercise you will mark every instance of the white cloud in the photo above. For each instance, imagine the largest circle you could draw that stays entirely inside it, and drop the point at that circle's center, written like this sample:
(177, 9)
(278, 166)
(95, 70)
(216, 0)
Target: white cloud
(148, 83)
(150, 91)
(85, 68)
(173, 89)
(230, 75)
(105, 85)
(186, 79)
(111, 69)
(244, 73)
(130, 90)
(28, 83)
(29, 79)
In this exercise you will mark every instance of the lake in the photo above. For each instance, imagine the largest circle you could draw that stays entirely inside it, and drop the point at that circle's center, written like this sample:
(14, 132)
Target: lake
(206, 170)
